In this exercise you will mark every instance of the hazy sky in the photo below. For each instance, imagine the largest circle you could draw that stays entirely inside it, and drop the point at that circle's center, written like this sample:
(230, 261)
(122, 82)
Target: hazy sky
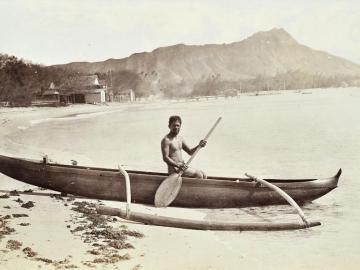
(61, 31)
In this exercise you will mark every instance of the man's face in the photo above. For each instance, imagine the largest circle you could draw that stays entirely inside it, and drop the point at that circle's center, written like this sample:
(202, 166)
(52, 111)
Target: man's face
(175, 127)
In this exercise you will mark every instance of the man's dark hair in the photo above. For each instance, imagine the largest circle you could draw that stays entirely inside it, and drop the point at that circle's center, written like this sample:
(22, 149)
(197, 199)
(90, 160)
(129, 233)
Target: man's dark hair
(174, 118)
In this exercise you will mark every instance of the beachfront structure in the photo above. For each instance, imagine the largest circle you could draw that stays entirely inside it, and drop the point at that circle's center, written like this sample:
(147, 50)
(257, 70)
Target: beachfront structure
(85, 89)
(80, 89)
(50, 97)
(127, 95)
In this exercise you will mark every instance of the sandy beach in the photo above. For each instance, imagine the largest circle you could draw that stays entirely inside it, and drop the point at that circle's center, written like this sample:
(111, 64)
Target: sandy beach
(54, 232)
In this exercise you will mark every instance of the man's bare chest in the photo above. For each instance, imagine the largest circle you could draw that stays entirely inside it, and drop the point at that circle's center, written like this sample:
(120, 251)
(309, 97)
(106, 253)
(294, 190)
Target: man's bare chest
(175, 145)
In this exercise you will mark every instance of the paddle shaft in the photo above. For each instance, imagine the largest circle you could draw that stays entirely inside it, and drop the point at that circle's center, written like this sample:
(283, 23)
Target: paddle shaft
(198, 148)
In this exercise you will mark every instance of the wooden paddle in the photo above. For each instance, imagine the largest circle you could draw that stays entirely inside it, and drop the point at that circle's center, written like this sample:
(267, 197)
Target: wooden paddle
(170, 187)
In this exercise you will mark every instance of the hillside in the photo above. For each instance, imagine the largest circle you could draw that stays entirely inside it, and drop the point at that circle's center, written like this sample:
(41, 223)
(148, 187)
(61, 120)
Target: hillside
(181, 67)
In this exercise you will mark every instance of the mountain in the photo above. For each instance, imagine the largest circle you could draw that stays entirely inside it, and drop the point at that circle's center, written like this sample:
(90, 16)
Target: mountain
(182, 67)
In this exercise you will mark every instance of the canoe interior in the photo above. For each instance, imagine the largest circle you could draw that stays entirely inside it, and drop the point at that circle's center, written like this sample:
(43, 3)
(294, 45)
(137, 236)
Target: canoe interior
(147, 173)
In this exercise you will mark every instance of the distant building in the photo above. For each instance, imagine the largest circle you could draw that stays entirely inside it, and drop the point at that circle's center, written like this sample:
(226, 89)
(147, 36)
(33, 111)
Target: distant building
(83, 89)
(123, 95)
(50, 97)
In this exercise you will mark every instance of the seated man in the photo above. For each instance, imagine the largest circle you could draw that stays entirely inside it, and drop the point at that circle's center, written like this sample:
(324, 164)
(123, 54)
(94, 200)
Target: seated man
(171, 146)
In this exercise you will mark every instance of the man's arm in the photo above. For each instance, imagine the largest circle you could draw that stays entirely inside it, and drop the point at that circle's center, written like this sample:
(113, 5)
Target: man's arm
(165, 145)
(191, 151)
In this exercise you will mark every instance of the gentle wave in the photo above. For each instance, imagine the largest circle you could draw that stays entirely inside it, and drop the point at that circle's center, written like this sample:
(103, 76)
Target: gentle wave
(72, 117)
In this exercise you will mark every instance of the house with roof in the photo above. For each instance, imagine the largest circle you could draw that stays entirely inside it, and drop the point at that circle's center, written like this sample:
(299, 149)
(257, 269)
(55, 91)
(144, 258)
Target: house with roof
(50, 97)
(85, 89)
(80, 89)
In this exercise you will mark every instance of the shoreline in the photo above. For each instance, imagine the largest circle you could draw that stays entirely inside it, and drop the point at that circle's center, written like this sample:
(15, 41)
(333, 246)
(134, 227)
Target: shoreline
(9, 114)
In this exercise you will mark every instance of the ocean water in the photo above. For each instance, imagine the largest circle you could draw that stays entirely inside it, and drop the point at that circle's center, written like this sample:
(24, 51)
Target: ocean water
(295, 134)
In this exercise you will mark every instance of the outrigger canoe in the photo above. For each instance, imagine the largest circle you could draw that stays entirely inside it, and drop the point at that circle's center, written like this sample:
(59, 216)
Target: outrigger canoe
(109, 184)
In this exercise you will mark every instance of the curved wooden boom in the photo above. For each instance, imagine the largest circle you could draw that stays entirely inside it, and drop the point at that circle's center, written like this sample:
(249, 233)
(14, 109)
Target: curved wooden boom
(283, 194)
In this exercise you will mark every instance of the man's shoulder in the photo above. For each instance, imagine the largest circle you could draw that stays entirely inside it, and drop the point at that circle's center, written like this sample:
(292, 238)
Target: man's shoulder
(166, 139)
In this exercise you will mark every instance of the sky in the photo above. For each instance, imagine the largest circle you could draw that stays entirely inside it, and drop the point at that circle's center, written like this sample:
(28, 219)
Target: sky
(54, 32)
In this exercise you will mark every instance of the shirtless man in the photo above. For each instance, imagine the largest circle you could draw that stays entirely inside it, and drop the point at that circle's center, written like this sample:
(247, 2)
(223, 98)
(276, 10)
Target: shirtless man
(171, 146)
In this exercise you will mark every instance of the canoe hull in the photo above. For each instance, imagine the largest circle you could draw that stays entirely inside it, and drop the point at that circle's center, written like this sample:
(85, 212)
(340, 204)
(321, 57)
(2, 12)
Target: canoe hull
(109, 184)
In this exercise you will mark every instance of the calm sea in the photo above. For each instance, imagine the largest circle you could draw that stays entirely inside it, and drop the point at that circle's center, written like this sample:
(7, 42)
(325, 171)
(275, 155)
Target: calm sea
(299, 134)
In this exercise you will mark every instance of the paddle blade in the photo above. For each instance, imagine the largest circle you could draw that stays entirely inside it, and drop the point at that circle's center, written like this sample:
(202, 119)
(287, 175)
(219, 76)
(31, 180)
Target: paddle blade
(168, 190)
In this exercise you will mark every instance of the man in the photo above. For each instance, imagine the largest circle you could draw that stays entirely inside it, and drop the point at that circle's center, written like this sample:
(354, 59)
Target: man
(171, 146)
